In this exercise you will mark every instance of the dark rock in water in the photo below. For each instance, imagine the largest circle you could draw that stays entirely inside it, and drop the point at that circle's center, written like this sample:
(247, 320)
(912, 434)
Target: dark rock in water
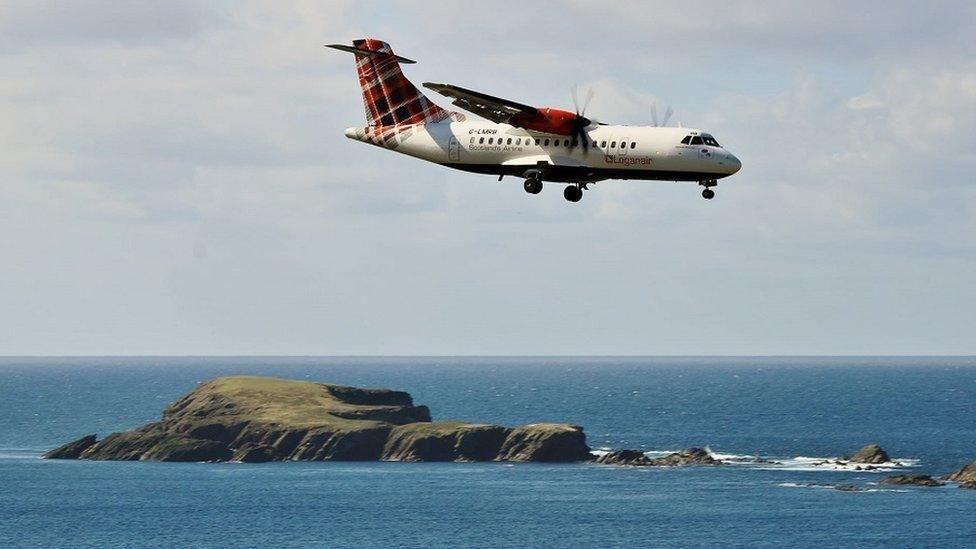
(551, 442)
(71, 450)
(965, 477)
(872, 453)
(688, 456)
(636, 458)
(912, 480)
(847, 487)
(839, 487)
(255, 419)
(624, 457)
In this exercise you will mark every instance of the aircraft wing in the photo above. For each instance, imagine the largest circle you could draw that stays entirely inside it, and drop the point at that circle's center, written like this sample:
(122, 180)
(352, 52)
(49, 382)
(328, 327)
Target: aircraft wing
(493, 108)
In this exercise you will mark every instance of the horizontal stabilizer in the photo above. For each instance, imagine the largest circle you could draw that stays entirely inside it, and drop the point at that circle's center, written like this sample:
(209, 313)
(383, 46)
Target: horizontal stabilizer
(353, 49)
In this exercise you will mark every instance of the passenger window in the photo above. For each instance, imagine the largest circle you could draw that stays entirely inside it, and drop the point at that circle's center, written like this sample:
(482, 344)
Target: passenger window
(613, 144)
(594, 144)
(603, 144)
(537, 142)
(633, 144)
(518, 141)
(686, 140)
(696, 140)
(547, 143)
(509, 141)
(482, 140)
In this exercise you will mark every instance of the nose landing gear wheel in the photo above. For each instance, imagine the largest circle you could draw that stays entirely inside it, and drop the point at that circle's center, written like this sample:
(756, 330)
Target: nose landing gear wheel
(532, 186)
(708, 193)
(573, 193)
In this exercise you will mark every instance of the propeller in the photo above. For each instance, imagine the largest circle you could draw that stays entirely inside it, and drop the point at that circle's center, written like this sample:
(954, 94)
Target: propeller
(667, 116)
(581, 122)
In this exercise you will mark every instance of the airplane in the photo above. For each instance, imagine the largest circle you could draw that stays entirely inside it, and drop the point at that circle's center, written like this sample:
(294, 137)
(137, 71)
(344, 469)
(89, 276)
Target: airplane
(534, 143)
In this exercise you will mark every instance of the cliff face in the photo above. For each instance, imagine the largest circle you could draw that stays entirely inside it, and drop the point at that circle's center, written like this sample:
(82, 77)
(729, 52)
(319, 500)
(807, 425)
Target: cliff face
(258, 419)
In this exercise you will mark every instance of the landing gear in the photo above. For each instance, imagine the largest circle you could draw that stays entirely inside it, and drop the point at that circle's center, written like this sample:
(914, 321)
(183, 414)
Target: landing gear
(573, 193)
(708, 193)
(533, 185)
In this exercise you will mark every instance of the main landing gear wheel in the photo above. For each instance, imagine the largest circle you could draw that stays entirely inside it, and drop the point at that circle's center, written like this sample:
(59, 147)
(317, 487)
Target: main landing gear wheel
(533, 186)
(573, 193)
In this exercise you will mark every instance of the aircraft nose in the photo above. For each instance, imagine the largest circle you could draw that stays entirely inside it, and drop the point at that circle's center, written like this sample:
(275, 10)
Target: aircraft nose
(734, 163)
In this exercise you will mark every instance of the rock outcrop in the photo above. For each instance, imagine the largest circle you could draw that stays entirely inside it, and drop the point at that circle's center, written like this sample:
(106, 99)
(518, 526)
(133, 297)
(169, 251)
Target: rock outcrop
(872, 453)
(912, 480)
(965, 477)
(71, 450)
(636, 458)
(253, 419)
(688, 456)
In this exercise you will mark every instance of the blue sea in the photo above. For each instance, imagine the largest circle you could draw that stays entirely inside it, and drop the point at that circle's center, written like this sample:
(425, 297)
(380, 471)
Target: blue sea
(792, 410)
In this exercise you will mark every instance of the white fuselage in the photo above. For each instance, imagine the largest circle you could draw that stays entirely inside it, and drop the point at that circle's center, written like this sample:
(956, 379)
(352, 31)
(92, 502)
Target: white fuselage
(614, 152)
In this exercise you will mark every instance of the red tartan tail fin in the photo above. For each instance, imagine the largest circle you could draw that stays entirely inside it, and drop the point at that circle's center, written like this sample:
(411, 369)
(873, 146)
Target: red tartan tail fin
(390, 99)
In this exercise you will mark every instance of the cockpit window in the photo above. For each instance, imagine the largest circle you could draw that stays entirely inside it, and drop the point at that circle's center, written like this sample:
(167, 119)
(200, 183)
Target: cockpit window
(686, 140)
(709, 140)
(696, 140)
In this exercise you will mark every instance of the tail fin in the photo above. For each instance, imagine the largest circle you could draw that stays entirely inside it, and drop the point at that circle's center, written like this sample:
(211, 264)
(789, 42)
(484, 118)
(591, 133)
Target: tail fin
(390, 99)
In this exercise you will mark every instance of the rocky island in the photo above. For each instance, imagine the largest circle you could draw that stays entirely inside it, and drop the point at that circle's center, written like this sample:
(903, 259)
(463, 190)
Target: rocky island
(259, 419)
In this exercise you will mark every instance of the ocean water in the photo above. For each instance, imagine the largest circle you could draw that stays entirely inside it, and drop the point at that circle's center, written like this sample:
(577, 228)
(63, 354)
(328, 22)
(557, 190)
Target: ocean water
(792, 410)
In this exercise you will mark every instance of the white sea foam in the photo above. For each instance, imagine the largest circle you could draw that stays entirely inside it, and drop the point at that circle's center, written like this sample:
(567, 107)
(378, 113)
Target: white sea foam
(21, 453)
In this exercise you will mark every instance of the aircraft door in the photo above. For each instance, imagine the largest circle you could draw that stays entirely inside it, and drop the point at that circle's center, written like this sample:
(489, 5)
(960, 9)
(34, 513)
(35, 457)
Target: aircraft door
(454, 149)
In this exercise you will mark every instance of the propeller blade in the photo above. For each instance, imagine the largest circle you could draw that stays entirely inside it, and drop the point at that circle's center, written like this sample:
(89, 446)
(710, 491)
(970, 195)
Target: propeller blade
(581, 122)
(654, 114)
(586, 102)
(667, 116)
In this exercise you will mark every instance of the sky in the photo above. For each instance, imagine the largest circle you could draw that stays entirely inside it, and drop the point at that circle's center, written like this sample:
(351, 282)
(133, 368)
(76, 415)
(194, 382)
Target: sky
(174, 180)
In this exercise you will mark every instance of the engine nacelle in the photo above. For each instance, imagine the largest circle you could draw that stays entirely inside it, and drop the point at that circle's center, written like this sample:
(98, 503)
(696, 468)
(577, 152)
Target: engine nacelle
(549, 120)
